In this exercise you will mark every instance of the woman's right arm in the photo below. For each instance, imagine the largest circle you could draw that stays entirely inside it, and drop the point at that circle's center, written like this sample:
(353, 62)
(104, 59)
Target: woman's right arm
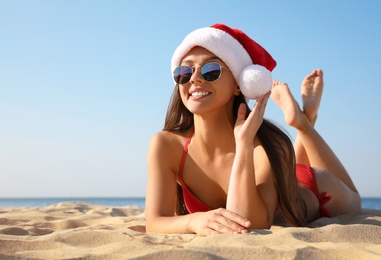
(163, 162)
(162, 188)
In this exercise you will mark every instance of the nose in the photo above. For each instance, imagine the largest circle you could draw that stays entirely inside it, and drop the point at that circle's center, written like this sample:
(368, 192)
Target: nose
(197, 75)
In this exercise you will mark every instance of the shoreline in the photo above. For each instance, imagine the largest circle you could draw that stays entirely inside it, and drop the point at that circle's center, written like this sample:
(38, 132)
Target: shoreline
(367, 202)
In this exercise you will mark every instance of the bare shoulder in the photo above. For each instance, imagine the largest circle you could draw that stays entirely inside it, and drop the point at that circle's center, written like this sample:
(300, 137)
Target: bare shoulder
(167, 140)
(165, 149)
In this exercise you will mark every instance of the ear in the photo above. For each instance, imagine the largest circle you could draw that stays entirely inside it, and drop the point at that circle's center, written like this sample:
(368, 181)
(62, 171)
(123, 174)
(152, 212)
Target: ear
(237, 91)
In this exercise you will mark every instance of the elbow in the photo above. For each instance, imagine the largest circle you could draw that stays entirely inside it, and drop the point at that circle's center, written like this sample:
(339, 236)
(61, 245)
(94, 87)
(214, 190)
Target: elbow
(149, 229)
(267, 225)
(261, 223)
(153, 229)
(150, 226)
(157, 225)
(264, 225)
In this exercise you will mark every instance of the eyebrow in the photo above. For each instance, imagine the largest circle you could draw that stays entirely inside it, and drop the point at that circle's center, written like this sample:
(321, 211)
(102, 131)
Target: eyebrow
(206, 60)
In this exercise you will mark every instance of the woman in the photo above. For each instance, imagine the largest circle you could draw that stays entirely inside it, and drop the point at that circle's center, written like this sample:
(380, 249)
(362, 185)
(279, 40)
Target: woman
(218, 167)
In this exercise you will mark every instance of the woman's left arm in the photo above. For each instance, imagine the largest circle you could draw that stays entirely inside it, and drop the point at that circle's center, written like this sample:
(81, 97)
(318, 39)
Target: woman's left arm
(251, 192)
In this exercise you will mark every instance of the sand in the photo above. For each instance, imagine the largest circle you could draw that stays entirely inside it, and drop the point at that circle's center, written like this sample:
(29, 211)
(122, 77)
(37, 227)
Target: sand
(75, 230)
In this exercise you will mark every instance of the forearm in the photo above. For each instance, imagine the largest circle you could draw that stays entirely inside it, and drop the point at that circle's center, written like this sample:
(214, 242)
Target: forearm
(243, 196)
(169, 225)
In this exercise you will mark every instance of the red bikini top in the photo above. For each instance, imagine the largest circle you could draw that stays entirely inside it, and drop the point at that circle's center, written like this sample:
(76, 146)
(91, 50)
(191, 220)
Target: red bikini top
(192, 203)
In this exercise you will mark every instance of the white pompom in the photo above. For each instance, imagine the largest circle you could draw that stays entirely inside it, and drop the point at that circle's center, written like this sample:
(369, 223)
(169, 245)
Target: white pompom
(255, 81)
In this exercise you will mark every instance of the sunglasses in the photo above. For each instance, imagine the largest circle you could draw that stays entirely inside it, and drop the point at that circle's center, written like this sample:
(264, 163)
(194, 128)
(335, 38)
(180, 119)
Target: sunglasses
(210, 72)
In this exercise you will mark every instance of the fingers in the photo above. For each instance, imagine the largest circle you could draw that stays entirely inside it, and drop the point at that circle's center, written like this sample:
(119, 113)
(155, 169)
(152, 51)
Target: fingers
(236, 218)
(262, 101)
(260, 106)
(241, 112)
(245, 129)
(231, 223)
(241, 115)
(223, 221)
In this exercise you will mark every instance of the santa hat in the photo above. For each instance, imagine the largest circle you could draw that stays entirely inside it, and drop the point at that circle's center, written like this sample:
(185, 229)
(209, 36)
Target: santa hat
(250, 63)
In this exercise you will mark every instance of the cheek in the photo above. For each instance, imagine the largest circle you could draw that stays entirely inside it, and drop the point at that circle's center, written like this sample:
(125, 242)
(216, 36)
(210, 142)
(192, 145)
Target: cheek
(231, 86)
(228, 80)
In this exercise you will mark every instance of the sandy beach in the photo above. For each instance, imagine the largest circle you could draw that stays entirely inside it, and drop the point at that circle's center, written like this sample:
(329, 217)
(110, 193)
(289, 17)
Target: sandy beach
(74, 230)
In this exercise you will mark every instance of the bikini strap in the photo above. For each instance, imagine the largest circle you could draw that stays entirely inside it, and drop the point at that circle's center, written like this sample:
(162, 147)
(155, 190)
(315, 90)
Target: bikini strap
(184, 156)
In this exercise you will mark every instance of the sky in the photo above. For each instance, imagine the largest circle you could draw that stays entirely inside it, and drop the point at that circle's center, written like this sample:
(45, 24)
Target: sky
(85, 84)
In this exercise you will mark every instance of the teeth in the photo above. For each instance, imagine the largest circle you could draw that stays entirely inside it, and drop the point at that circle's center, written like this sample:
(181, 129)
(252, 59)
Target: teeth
(199, 94)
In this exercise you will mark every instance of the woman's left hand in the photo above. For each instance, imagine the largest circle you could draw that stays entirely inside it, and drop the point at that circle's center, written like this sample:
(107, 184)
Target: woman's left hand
(245, 129)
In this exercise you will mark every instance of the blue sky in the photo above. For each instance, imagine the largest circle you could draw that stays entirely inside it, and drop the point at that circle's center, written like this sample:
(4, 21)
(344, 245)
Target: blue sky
(85, 84)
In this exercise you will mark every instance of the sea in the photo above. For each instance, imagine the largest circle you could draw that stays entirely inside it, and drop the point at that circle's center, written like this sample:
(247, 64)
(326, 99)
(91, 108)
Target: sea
(43, 202)
(370, 203)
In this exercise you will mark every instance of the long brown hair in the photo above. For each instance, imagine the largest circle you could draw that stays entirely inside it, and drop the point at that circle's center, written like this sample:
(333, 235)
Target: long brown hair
(276, 144)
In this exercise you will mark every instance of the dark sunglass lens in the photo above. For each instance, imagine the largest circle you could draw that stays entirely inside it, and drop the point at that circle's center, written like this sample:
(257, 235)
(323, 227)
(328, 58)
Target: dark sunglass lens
(182, 74)
(211, 71)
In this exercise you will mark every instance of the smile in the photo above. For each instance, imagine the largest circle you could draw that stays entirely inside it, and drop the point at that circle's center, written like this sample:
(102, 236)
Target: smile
(200, 94)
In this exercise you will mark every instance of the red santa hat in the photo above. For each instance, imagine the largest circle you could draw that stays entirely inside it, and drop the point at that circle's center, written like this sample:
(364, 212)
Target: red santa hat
(249, 62)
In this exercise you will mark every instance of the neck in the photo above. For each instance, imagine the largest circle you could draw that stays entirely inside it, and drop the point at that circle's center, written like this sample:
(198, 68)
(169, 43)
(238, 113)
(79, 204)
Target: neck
(214, 132)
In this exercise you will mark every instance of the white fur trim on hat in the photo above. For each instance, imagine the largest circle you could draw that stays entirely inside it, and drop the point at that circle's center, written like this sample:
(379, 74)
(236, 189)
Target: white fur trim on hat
(254, 81)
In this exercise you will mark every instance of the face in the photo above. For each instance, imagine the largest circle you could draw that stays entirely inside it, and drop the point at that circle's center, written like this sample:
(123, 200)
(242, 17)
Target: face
(201, 96)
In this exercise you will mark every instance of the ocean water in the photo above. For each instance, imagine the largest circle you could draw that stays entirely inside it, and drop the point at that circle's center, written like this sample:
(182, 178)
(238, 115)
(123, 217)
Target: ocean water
(43, 202)
(370, 203)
